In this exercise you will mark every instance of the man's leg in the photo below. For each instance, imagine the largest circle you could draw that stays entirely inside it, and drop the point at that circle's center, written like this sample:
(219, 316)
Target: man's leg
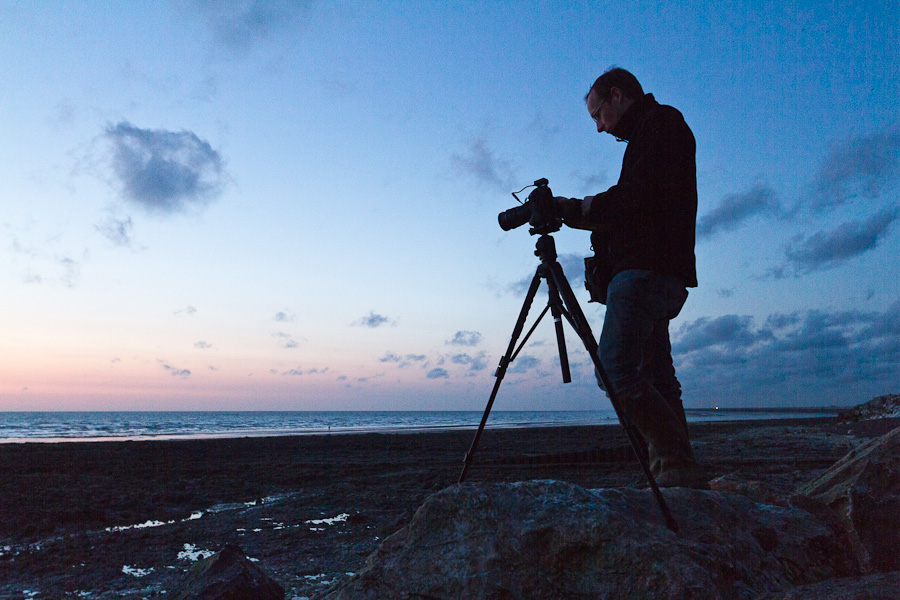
(637, 303)
(659, 370)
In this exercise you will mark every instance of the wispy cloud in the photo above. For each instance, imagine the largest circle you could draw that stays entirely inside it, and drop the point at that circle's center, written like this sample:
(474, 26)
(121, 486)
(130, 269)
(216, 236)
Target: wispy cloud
(298, 371)
(480, 162)
(827, 249)
(572, 266)
(238, 24)
(286, 340)
(119, 231)
(590, 184)
(860, 167)
(164, 172)
(735, 209)
(403, 361)
(175, 371)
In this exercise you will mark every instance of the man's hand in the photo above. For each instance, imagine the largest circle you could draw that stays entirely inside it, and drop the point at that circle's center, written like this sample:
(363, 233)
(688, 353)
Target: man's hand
(570, 208)
(574, 212)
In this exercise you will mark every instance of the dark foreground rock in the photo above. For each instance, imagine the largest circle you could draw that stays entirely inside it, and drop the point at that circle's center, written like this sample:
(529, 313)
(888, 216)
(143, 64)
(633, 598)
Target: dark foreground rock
(228, 575)
(878, 408)
(549, 539)
(872, 587)
(863, 489)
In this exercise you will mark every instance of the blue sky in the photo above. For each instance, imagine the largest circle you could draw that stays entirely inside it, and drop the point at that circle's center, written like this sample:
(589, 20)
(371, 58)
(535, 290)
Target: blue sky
(292, 205)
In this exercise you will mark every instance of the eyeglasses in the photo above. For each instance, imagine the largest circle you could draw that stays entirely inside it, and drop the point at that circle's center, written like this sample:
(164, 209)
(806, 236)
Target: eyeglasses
(596, 114)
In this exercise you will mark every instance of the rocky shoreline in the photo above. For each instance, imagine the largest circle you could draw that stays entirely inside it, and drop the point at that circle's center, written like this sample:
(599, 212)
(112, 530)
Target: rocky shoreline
(129, 519)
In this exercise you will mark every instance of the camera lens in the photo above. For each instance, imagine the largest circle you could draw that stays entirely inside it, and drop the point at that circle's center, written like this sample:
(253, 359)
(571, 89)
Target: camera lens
(514, 217)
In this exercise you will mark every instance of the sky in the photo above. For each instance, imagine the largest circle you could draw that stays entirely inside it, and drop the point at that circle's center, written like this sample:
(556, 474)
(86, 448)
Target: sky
(292, 205)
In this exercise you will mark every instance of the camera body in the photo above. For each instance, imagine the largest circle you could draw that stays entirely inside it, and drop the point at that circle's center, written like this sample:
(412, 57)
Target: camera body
(540, 210)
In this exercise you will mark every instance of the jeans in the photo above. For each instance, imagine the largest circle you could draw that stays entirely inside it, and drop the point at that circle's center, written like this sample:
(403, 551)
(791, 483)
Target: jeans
(634, 343)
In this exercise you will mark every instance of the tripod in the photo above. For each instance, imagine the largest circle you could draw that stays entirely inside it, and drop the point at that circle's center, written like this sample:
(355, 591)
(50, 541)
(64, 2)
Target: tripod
(562, 303)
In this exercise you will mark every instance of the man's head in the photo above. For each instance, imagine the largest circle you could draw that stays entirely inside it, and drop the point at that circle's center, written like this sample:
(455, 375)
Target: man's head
(610, 96)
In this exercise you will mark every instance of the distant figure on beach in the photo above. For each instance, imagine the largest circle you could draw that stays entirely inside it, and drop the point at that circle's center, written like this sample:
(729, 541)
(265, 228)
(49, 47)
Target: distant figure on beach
(642, 235)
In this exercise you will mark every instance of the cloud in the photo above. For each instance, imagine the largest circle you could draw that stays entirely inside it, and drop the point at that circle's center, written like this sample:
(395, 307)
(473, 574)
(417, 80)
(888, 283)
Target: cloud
(164, 172)
(402, 361)
(479, 161)
(524, 363)
(238, 24)
(812, 355)
(118, 231)
(465, 338)
(830, 248)
(296, 372)
(188, 311)
(201, 345)
(731, 331)
(591, 184)
(372, 320)
(71, 271)
(284, 317)
(174, 371)
(861, 167)
(475, 363)
(735, 209)
(572, 266)
(288, 341)
(438, 373)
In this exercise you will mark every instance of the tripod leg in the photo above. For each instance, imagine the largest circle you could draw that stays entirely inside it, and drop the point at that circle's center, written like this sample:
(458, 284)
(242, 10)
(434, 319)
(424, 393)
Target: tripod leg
(556, 310)
(582, 328)
(501, 369)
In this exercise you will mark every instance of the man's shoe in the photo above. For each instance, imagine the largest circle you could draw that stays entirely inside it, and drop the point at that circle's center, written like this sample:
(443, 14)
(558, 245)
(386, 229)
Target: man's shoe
(693, 476)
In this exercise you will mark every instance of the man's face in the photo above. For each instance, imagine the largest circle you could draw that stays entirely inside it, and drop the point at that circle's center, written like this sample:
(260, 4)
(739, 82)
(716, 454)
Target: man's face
(606, 111)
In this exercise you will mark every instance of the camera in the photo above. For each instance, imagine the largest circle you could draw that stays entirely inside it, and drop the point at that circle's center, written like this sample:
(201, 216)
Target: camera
(540, 210)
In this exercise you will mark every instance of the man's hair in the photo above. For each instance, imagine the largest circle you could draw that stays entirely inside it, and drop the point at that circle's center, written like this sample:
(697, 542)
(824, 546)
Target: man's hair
(620, 78)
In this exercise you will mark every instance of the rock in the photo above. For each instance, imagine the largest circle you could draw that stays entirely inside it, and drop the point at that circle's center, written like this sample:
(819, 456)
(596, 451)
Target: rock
(550, 539)
(228, 575)
(863, 488)
(757, 491)
(871, 587)
(877, 408)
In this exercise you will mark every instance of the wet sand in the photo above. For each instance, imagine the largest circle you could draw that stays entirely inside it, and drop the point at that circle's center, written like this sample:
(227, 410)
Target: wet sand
(127, 519)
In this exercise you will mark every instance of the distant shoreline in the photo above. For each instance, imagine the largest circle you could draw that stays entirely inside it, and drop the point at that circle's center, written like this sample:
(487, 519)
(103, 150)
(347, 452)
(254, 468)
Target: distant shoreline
(836, 410)
(694, 415)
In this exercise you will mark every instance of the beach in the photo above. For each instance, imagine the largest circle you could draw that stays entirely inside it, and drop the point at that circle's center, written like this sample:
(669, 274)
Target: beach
(129, 519)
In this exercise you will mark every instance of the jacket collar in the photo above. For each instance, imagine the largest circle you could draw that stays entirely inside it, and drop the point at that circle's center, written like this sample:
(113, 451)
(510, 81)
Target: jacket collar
(632, 117)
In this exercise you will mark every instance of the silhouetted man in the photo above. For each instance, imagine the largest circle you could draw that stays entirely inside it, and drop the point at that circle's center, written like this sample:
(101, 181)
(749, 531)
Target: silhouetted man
(643, 240)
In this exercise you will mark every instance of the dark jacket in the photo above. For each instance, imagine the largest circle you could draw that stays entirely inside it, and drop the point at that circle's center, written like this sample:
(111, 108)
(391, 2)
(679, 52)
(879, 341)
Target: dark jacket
(649, 217)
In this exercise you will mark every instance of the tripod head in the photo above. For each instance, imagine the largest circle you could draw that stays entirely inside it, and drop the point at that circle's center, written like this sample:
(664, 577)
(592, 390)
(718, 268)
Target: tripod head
(545, 247)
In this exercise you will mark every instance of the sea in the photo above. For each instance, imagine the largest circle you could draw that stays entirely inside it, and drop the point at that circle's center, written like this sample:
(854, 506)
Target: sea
(20, 427)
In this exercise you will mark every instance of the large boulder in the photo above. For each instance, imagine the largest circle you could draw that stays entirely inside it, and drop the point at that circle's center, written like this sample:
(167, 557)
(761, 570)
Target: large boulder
(550, 539)
(883, 586)
(878, 408)
(228, 575)
(863, 488)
